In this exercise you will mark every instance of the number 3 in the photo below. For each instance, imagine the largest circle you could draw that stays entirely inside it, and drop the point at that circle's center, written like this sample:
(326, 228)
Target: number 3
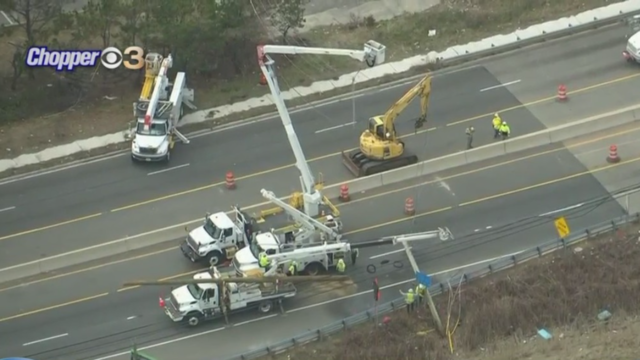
(136, 61)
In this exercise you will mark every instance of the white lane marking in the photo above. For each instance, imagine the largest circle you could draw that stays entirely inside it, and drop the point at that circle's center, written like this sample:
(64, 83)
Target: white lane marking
(4, 14)
(7, 209)
(255, 320)
(501, 85)
(486, 228)
(387, 253)
(562, 210)
(335, 127)
(443, 184)
(45, 339)
(168, 169)
(131, 317)
(251, 121)
(303, 308)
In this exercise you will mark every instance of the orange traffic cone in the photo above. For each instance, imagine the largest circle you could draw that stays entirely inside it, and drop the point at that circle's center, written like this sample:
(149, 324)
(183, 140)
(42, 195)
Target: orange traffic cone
(409, 208)
(613, 157)
(562, 93)
(344, 193)
(230, 180)
(263, 79)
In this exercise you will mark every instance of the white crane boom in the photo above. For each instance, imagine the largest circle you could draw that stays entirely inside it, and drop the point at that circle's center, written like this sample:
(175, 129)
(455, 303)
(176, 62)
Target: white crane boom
(160, 85)
(373, 54)
(443, 234)
(305, 220)
(309, 251)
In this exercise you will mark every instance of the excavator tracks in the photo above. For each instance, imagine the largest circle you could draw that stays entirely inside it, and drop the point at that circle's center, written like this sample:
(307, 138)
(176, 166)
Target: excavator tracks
(360, 166)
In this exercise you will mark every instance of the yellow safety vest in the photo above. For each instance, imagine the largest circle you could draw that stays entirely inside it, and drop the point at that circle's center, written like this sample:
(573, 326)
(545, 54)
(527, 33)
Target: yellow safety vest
(293, 268)
(420, 290)
(505, 129)
(409, 298)
(341, 266)
(264, 260)
(497, 122)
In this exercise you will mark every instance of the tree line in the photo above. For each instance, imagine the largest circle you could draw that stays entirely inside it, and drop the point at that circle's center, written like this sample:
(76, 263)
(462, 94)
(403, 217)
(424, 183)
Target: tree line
(208, 38)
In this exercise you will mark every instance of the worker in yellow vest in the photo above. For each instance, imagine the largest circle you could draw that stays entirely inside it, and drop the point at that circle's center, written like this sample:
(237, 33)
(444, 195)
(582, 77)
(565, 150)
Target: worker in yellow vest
(293, 268)
(497, 121)
(409, 299)
(341, 266)
(264, 261)
(505, 131)
(421, 291)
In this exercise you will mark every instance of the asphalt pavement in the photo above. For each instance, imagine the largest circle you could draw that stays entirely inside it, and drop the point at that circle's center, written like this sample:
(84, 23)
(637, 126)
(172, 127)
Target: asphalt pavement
(491, 209)
(91, 204)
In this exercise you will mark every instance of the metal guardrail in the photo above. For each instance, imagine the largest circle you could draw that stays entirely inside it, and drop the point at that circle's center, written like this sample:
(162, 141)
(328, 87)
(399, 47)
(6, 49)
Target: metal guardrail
(439, 288)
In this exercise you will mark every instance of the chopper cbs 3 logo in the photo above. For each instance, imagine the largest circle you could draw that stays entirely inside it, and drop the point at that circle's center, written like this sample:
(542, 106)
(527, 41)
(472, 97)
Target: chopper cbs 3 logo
(132, 58)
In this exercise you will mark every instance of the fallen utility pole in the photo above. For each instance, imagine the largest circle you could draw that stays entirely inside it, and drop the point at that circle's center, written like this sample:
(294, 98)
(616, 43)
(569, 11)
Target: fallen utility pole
(249, 280)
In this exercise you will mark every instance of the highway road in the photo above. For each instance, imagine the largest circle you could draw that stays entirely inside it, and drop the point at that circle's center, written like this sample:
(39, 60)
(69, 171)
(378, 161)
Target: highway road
(106, 200)
(494, 208)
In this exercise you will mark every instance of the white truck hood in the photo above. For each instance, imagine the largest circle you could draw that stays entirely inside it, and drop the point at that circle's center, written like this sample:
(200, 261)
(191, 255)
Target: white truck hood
(245, 256)
(200, 236)
(633, 45)
(148, 141)
(182, 296)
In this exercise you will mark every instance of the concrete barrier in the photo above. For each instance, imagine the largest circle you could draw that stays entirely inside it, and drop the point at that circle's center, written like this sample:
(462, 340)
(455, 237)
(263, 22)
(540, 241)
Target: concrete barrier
(557, 134)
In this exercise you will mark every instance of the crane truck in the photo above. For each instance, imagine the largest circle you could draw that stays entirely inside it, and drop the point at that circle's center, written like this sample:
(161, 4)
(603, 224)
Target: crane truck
(196, 302)
(380, 146)
(158, 111)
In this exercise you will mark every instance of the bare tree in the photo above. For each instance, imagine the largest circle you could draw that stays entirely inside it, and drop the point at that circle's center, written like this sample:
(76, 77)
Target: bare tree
(289, 14)
(36, 19)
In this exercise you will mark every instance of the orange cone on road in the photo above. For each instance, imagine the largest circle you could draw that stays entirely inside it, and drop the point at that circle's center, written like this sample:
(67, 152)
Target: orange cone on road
(263, 79)
(613, 157)
(344, 193)
(230, 180)
(409, 208)
(161, 302)
(562, 93)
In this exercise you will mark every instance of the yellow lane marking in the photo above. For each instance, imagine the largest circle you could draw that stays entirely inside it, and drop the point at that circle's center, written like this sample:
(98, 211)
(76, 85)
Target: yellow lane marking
(253, 175)
(26, 232)
(53, 307)
(353, 201)
(392, 222)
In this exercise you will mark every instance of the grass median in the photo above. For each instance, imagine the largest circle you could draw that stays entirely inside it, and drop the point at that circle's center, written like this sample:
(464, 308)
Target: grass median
(454, 22)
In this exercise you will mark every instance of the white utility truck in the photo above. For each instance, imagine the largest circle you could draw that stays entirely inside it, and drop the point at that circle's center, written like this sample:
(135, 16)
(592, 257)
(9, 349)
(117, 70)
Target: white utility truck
(632, 50)
(157, 113)
(219, 237)
(194, 303)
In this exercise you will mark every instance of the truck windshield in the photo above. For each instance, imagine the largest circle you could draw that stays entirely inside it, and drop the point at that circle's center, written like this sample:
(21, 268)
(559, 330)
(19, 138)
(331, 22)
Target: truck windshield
(195, 290)
(213, 231)
(255, 249)
(153, 130)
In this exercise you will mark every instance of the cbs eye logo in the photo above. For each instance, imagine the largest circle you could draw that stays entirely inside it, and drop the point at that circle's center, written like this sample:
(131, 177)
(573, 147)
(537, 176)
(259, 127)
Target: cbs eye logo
(132, 58)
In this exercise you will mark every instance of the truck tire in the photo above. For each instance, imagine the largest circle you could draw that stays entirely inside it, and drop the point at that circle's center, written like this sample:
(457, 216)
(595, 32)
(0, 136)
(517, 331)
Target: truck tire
(193, 319)
(313, 269)
(265, 306)
(215, 258)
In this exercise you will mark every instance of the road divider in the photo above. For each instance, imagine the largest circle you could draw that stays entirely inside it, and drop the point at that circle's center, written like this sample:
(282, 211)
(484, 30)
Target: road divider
(538, 139)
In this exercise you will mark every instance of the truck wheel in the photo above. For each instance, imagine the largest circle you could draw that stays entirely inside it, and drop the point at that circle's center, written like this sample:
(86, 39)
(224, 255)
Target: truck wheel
(312, 269)
(265, 306)
(193, 319)
(215, 259)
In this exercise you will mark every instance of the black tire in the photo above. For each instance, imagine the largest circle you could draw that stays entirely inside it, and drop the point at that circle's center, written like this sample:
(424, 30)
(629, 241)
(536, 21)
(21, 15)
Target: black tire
(265, 306)
(215, 259)
(313, 269)
(193, 319)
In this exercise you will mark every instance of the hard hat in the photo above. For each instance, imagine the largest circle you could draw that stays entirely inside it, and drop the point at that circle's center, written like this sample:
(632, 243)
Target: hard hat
(471, 128)
(410, 290)
(504, 123)
(496, 115)
(421, 286)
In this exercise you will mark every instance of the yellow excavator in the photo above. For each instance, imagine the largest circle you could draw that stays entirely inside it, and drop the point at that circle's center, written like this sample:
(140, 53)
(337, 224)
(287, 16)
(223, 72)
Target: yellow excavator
(380, 147)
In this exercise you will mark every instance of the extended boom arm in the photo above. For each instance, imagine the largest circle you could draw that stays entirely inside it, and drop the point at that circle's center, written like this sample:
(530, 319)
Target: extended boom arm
(422, 89)
(373, 54)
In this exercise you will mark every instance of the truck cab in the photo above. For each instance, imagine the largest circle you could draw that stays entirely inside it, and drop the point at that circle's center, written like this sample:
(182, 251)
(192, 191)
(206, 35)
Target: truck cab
(218, 238)
(632, 50)
(193, 303)
(152, 141)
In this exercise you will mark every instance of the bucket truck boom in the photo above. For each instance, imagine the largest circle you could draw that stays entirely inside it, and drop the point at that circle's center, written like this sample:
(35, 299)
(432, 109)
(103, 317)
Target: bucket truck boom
(373, 54)
(311, 224)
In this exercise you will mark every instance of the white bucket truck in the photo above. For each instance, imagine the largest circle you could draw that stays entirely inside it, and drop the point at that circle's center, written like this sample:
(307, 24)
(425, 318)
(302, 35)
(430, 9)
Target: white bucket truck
(157, 114)
(196, 302)
(219, 237)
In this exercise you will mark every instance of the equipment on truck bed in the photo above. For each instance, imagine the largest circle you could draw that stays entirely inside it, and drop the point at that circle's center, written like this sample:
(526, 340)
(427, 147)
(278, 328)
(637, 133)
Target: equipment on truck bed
(373, 54)
(157, 113)
(380, 147)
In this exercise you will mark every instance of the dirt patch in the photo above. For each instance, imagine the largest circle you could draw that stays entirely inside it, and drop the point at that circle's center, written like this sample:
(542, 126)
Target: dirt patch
(497, 318)
(455, 22)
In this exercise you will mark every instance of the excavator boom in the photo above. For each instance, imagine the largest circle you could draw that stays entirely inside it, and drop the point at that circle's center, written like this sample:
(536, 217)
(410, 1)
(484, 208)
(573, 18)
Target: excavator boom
(422, 89)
